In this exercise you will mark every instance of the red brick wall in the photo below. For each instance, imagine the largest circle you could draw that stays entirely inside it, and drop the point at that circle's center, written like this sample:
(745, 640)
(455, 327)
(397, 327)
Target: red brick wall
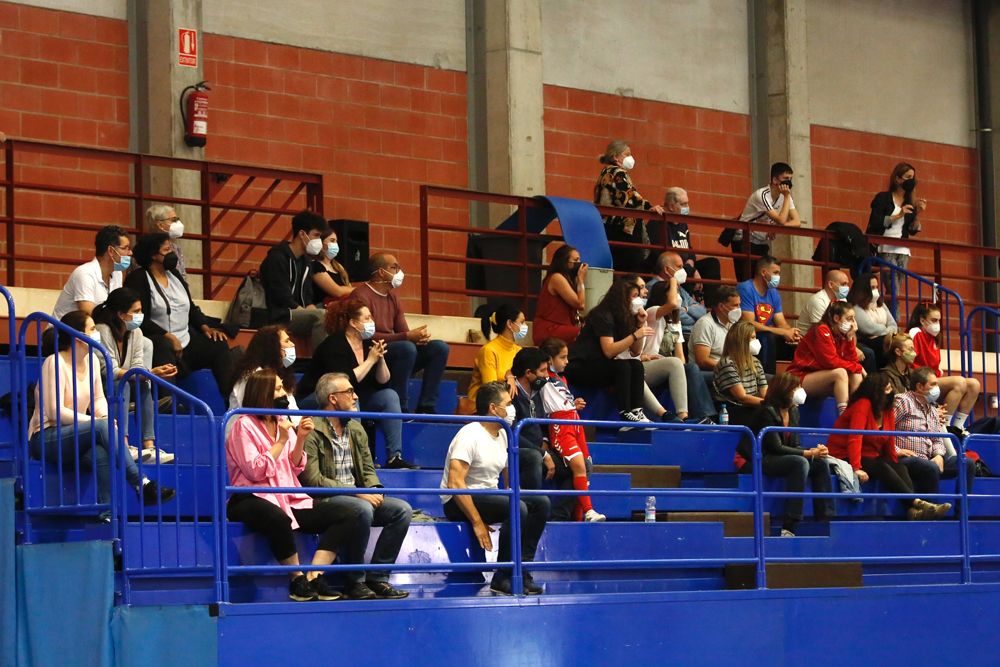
(849, 167)
(375, 129)
(63, 78)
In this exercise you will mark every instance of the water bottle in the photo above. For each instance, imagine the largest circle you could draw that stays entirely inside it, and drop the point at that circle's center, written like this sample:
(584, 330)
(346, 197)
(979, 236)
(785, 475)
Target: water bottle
(650, 509)
(723, 416)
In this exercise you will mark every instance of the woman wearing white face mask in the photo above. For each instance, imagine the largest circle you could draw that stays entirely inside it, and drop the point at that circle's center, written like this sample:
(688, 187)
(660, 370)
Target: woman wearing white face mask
(783, 454)
(738, 378)
(272, 348)
(328, 275)
(614, 188)
(163, 218)
(960, 393)
(494, 359)
(876, 325)
(350, 349)
(826, 359)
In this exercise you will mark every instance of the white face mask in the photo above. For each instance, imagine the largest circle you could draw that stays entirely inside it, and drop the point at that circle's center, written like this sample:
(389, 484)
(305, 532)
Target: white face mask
(681, 276)
(734, 315)
(95, 336)
(397, 279)
(638, 303)
(628, 162)
(933, 329)
(332, 249)
(367, 330)
(933, 394)
(176, 230)
(314, 247)
(841, 292)
(754, 346)
(521, 332)
(845, 326)
(799, 396)
(288, 356)
(875, 295)
(511, 415)
(685, 210)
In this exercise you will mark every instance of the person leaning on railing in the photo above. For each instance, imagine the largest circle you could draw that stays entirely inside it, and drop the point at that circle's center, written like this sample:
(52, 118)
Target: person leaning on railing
(78, 414)
(894, 214)
(772, 205)
(874, 456)
(476, 458)
(561, 298)
(266, 451)
(493, 360)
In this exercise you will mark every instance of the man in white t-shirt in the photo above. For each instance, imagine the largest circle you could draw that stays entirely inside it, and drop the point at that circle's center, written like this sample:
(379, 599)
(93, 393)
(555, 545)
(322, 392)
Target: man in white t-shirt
(834, 289)
(89, 284)
(709, 333)
(771, 204)
(477, 456)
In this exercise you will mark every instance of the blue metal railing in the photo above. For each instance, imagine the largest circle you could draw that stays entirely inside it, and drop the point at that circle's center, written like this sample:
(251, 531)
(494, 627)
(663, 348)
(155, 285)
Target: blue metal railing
(988, 337)
(15, 374)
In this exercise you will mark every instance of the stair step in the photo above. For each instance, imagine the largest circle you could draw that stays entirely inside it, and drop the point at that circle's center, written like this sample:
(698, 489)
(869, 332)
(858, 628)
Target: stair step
(734, 524)
(797, 575)
(646, 476)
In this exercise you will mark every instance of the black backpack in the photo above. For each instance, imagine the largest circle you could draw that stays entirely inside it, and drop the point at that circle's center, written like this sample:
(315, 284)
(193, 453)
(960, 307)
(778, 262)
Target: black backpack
(848, 246)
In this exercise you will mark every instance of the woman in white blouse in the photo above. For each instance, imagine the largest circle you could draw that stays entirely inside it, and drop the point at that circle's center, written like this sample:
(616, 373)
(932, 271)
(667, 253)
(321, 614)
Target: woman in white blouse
(70, 422)
(876, 324)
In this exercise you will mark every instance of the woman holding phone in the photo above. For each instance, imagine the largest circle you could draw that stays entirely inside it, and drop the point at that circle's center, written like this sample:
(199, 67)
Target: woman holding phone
(894, 214)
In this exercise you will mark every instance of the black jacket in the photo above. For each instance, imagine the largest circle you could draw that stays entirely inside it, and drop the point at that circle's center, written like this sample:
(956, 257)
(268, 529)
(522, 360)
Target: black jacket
(524, 407)
(883, 206)
(139, 281)
(335, 355)
(773, 444)
(287, 282)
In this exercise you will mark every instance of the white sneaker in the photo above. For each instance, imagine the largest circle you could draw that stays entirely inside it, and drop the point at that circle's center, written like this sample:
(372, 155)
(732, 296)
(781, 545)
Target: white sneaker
(631, 416)
(134, 451)
(642, 416)
(150, 455)
(787, 533)
(593, 516)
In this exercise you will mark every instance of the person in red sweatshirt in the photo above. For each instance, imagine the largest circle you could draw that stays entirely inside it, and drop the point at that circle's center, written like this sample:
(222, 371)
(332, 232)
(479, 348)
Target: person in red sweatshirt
(874, 456)
(959, 393)
(826, 359)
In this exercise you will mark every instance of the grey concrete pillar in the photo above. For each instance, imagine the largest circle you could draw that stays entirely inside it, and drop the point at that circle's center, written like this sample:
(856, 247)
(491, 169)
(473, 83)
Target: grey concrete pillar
(157, 82)
(781, 122)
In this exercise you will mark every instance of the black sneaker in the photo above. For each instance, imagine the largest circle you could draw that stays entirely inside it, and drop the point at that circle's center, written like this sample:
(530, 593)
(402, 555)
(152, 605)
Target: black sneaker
(323, 589)
(530, 587)
(153, 494)
(360, 591)
(631, 416)
(501, 585)
(426, 410)
(385, 591)
(301, 589)
(397, 462)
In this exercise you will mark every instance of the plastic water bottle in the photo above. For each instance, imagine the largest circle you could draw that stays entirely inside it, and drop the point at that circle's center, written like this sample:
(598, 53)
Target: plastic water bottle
(650, 509)
(723, 416)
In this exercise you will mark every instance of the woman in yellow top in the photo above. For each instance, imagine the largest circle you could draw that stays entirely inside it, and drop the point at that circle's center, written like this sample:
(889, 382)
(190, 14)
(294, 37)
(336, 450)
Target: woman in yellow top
(493, 361)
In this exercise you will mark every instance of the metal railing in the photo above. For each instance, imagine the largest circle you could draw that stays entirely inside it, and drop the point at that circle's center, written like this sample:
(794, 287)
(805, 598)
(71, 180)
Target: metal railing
(15, 376)
(983, 343)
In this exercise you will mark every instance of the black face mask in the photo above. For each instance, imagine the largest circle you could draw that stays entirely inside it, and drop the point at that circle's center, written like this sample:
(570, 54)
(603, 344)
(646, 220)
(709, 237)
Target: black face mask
(281, 403)
(908, 185)
(787, 182)
(170, 261)
(538, 383)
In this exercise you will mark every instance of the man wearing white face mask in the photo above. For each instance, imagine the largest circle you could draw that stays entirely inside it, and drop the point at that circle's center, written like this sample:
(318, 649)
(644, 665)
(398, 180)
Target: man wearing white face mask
(160, 217)
(476, 458)
(926, 459)
(835, 288)
(287, 277)
(761, 304)
(409, 350)
(670, 266)
(709, 334)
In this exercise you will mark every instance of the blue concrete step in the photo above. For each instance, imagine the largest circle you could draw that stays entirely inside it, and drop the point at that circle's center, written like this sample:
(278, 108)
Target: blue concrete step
(821, 413)
(447, 402)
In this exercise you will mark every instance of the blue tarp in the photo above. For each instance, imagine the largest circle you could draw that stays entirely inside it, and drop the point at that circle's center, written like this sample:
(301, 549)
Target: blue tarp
(167, 636)
(582, 227)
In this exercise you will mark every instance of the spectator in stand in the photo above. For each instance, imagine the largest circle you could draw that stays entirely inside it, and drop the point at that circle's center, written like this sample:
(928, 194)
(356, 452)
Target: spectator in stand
(73, 432)
(876, 325)
(270, 348)
(709, 334)
(960, 393)
(894, 214)
(530, 371)
(834, 289)
(351, 349)
(119, 320)
(761, 304)
(181, 334)
(783, 454)
(826, 359)
(611, 328)
(330, 279)
(678, 235)
(266, 451)
(874, 456)
(476, 457)
(163, 218)
(287, 277)
(409, 350)
(561, 297)
(494, 359)
(899, 368)
(738, 379)
(337, 456)
(568, 440)
(772, 205)
(614, 188)
(927, 459)
(89, 284)
(669, 265)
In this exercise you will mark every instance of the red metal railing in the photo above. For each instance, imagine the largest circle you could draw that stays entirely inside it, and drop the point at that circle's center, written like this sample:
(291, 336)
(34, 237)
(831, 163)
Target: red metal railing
(239, 204)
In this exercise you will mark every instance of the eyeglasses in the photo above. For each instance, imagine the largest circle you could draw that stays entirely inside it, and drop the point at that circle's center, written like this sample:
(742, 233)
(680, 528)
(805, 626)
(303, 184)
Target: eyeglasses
(350, 392)
(173, 219)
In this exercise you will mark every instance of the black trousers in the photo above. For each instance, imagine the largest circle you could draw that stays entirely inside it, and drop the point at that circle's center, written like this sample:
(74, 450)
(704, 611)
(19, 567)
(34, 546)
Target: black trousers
(894, 476)
(625, 375)
(334, 527)
(773, 348)
(496, 509)
(741, 266)
(200, 353)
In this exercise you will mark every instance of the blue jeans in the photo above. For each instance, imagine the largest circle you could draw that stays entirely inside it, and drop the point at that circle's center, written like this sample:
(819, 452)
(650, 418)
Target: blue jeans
(385, 400)
(144, 406)
(393, 515)
(93, 452)
(405, 358)
(700, 402)
(535, 512)
(926, 475)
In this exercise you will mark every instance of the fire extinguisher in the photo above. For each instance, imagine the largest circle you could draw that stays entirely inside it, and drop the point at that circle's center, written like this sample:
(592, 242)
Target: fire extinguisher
(194, 112)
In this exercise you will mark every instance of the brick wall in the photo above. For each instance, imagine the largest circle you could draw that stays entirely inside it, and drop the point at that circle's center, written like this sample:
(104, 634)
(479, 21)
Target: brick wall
(375, 129)
(849, 167)
(63, 78)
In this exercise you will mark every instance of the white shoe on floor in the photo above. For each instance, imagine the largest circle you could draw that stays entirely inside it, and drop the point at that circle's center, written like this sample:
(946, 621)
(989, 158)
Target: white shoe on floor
(150, 455)
(787, 533)
(134, 451)
(593, 516)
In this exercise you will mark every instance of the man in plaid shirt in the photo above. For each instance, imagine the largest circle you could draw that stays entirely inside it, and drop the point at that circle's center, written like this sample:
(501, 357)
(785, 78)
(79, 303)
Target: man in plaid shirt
(926, 459)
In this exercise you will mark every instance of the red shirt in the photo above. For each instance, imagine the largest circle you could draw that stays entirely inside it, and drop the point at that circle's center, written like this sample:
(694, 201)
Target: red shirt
(821, 350)
(853, 448)
(928, 353)
(390, 321)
